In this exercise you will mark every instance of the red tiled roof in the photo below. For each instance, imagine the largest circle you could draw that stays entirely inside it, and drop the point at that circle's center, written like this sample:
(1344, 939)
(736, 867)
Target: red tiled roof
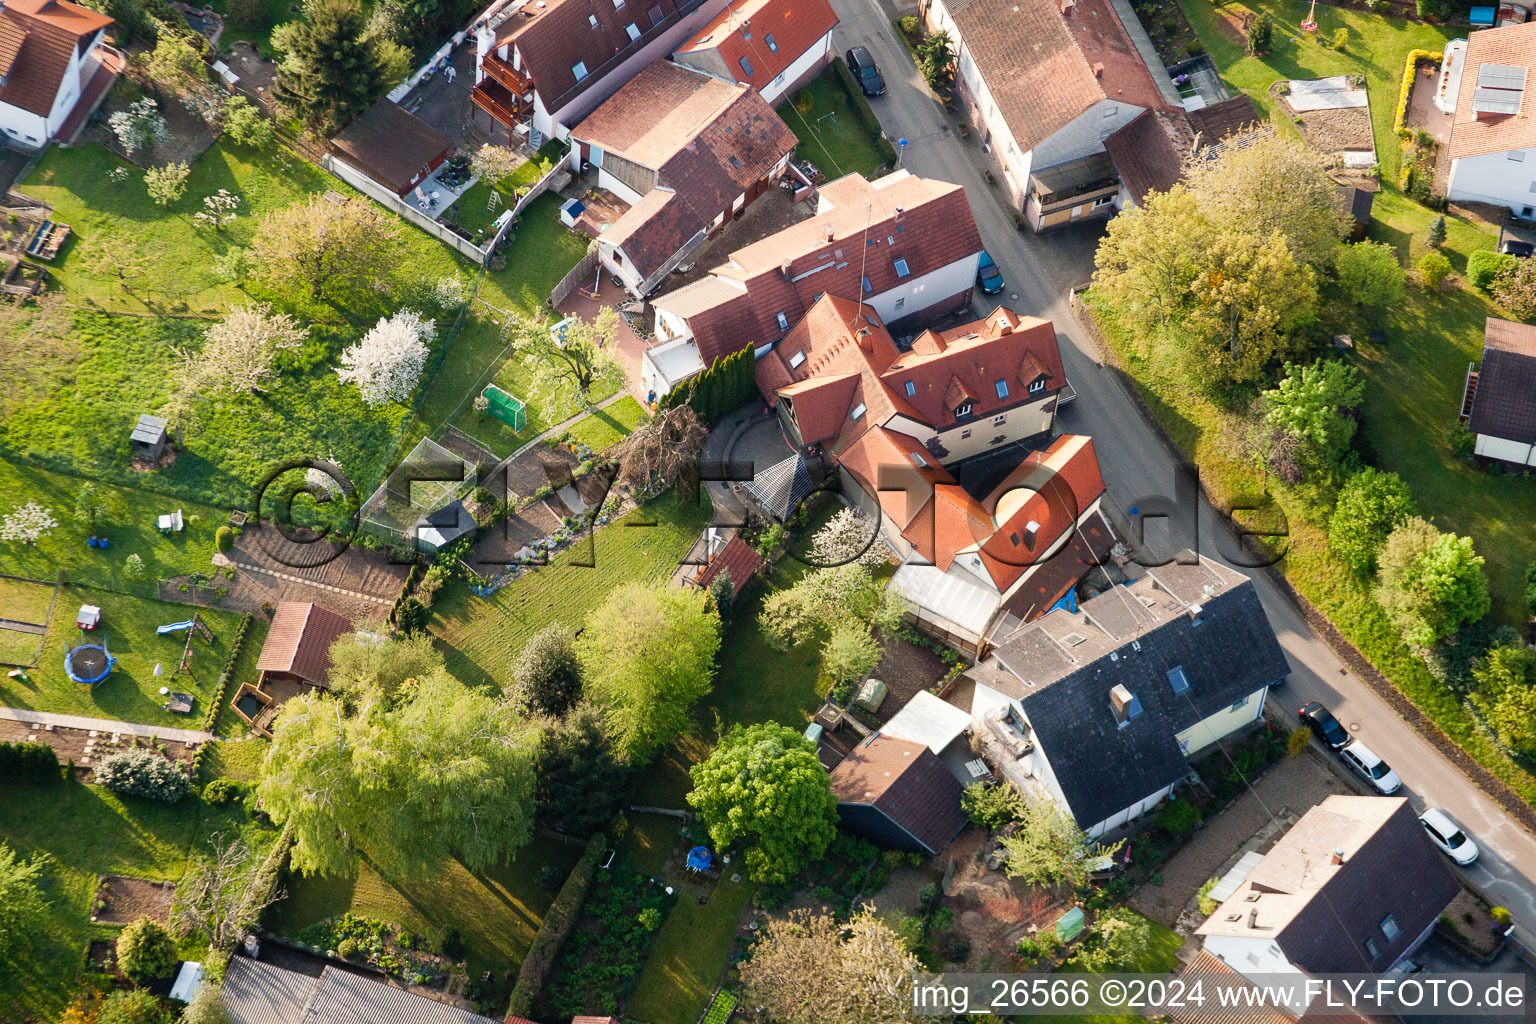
(52, 30)
(959, 522)
(300, 640)
(1044, 68)
(1474, 135)
(794, 26)
(907, 486)
(738, 305)
(820, 404)
(551, 40)
(1149, 153)
(908, 783)
(1052, 489)
(737, 558)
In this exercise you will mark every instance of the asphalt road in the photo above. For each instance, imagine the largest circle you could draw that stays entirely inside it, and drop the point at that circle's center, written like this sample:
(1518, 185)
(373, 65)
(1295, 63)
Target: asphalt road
(1039, 272)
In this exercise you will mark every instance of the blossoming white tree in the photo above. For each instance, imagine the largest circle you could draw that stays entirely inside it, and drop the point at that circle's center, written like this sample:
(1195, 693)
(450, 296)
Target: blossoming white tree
(218, 210)
(27, 523)
(240, 352)
(386, 365)
(848, 536)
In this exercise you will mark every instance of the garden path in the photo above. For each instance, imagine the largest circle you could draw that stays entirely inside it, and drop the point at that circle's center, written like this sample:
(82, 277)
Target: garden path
(106, 725)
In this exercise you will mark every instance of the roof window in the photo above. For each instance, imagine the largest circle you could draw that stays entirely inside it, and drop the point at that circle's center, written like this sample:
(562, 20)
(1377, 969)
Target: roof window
(1002, 389)
(784, 326)
(911, 389)
(592, 20)
(579, 69)
(900, 264)
(858, 412)
(868, 288)
(1178, 679)
(746, 66)
(796, 359)
(633, 31)
(918, 460)
(773, 46)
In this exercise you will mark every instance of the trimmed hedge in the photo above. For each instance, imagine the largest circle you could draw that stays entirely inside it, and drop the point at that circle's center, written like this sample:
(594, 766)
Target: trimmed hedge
(1410, 71)
(866, 113)
(143, 773)
(34, 762)
(557, 924)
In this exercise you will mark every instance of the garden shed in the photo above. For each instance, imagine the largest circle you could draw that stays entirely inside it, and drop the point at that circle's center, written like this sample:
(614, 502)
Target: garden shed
(148, 438)
(511, 411)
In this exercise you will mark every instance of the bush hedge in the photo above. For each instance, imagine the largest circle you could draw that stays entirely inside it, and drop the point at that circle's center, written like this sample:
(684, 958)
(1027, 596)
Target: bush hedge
(32, 762)
(729, 383)
(558, 920)
(143, 773)
(1410, 70)
(1485, 264)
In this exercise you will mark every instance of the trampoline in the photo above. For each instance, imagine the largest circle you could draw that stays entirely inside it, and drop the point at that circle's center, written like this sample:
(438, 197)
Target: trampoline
(89, 663)
(699, 859)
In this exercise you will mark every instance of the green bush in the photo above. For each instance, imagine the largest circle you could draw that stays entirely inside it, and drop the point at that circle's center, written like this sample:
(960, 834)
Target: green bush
(1194, 47)
(32, 762)
(225, 791)
(1433, 268)
(348, 949)
(1485, 264)
(1436, 9)
(1261, 34)
(1178, 817)
(146, 952)
(143, 773)
(223, 539)
(133, 1007)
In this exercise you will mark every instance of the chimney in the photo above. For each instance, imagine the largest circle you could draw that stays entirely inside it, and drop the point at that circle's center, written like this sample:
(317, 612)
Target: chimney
(1338, 856)
(826, 231)
(1194, 613)
(866, 339)
(899, 212)
(1123, 703)
(784, 268)
(1067, 7)
(1032, 526)
(1253, 918)
(1098, 69)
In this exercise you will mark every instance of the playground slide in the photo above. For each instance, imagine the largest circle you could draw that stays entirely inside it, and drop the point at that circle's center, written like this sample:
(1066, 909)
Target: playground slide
(174, 627)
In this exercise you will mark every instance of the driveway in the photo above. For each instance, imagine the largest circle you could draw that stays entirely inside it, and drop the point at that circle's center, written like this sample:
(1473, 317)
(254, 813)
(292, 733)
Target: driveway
(1039, 272)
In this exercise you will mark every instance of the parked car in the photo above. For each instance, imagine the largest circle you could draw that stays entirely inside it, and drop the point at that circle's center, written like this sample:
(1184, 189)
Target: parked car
(988, 278)
(1448, 836)
(1512, 247)
(1363, 760)
(1323, 725)
(864, 71)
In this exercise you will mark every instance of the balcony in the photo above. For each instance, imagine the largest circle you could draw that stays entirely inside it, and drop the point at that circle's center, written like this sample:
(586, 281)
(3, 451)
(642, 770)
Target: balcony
(506, 108)
(513, 80)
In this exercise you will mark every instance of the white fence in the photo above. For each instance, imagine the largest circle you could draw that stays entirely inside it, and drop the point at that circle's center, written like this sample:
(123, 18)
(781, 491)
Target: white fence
(373, 190)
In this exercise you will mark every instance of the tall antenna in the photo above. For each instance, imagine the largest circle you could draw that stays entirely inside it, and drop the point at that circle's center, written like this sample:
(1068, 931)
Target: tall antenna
(869, 215)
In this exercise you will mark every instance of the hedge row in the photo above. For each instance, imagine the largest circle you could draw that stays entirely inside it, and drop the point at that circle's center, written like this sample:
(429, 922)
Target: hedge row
(264, 882)
(866, 113)
(557, 924)
(1410, 72)
(216, 701)
(34, 762)
(729, 383)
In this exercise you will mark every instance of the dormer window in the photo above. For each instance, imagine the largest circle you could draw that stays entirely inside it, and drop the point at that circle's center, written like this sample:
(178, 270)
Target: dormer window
(911, 389)
(579, 69)
(858, 412)
(1178, 679)
(1002, 389)
(1037, 385)
(900, 263)
(746, 66)
(797, 359)
(773, 46)
(963, 411)
(784, 325)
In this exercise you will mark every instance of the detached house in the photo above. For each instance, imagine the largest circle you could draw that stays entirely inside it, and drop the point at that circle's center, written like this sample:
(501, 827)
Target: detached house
(774, 46)
(687, 151)
(1353, 887)
(1499, 401)
(907, 246)
(1098, 709)
(1493, 129)
(1046, 83)
(543, 65)
(54, 69)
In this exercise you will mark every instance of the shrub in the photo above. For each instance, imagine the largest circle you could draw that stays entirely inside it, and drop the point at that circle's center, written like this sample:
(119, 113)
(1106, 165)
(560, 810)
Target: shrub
(1178, 817)
(1194, 47)
(1298, 741)
(412, 615)
(908, 26)
(167, 184)
(1207, 905)
(1410, 70)
(1433, 268)
(1514, 288)
(1439, 10)
(348, 949)
(146, 952)
(223, 539)
(805, 100)
(1370, 505)
(1170, 25)
(1260, 34)
(1485, 264)
(1340, 39)
(143, 773)
(1501, 915)
(135, 1007)
(225, 791)
(558, 921)
(34, 762)
(1530, 589)
(1434, 235)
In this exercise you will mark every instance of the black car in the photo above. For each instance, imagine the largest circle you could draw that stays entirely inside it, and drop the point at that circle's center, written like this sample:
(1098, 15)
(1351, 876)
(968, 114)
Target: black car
(1511, 247)
(1322, 722)
(865, 72)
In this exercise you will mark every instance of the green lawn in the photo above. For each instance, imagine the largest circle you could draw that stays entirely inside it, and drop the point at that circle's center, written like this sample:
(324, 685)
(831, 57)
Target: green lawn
(473, 214)
(544, 252)
(482, 636)
(83, 831)
(497, 912)
(1377, 47)
(830, 134)
(688, 957)
(25, 602)
(1161, 957)
(131, 692)
(608, 426)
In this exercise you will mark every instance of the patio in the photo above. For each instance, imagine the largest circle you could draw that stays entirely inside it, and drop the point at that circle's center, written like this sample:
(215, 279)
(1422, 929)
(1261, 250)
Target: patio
(600, 209)
(434, 195)
(629, 345)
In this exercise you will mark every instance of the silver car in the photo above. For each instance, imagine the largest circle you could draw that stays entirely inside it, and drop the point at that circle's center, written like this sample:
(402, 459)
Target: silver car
(1448, 836)
(1363, 760)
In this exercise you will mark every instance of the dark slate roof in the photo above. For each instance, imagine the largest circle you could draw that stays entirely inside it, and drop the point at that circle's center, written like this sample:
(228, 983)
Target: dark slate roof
(1062, 667)
(1505, 404)
(908, 783)
(391, 145)
(259, 993)
(1354, 202)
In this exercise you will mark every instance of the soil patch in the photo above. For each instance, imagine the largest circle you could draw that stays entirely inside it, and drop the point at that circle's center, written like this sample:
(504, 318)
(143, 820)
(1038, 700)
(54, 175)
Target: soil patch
(122, 899)
(993, 911)
(1233, 23)
(1332, 131)
(86, 747)
(1468, 922)
(906, 669)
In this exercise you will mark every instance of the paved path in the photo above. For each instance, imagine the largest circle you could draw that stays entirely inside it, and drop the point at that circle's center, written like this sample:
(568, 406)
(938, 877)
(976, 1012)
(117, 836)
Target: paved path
(1039, 272)
(106, 725)
(222, 559)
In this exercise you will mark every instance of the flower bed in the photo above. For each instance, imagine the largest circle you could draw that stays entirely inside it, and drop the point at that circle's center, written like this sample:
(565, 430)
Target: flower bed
(398, 953)
(720, 1009)
(1410, 72)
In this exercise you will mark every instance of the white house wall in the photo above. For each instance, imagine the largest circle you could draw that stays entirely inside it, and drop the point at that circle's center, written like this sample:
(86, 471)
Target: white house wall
(1495, 178)
(1224, 722)
(1506, 450)
(916, 294)
(33, 130)
(611, 182)
(1259, 955)
(798, 69)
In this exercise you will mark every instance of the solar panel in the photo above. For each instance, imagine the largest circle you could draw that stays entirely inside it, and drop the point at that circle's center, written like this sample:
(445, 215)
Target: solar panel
(1495, 101)
(1500, 76)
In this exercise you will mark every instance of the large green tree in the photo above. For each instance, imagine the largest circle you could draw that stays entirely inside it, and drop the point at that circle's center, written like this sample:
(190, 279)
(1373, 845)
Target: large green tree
(1049, 848)
(647, 655)
(1150, 256)
(365, 665)
(447, 772)
(1248, 305)
(1370, 275)
(823, 598)
(581, 780)
(764, 788)
(1370, 505)
(21, 899)
(1431, 583)
(547, 676)
(1505, 692)
(330, 68)
(1314, 404)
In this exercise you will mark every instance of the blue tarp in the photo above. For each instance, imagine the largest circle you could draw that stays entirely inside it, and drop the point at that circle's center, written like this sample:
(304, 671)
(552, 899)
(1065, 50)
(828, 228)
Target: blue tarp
(1068, 603)
(699, 858)
(1484, 15)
